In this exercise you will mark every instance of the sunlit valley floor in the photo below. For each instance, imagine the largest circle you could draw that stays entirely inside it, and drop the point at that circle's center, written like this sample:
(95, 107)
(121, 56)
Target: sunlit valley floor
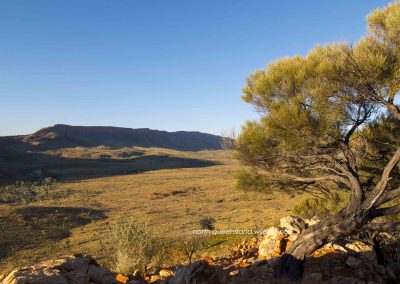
(173, 200)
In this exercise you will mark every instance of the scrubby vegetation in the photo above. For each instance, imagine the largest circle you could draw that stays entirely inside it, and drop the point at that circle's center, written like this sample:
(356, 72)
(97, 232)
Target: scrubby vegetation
(251, 181)
(147, 196)
(321, 207)
(130, 244)
(192, 245)
(207, 223)
(26, 192)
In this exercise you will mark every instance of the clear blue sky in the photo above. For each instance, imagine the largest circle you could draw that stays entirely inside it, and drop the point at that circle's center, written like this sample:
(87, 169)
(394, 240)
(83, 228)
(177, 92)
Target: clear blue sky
(169, 65)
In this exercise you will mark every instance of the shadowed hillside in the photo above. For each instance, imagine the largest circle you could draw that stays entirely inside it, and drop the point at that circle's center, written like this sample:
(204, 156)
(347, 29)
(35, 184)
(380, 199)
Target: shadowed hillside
(66, 136)
(79, 152)
(18, 165)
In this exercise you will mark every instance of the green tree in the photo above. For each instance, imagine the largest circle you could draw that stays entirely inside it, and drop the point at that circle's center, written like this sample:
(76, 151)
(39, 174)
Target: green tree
(329, 122)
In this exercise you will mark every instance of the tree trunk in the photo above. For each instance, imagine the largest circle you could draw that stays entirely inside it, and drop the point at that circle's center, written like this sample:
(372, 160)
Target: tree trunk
(330, 229)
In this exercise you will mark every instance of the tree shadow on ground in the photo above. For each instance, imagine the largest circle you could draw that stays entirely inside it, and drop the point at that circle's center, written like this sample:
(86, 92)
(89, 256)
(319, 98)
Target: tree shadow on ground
(364, 266)
(29, 227)
(378, 265)
(332, 268)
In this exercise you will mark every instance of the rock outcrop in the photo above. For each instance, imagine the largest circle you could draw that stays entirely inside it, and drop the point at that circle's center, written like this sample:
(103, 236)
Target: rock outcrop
(252, 261)
(72, 269)
(352, 257)
(199, 272)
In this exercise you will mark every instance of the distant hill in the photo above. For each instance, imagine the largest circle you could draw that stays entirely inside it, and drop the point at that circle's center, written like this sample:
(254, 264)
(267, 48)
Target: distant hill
(41, 154)
(63, 136)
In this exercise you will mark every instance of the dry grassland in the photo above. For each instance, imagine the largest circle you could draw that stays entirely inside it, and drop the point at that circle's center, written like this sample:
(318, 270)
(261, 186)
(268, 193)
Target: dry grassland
(172, 200)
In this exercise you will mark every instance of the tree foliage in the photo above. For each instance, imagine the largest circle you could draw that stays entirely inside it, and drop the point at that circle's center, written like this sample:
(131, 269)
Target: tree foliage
(321, 207)
(329, 122)
(324, 110)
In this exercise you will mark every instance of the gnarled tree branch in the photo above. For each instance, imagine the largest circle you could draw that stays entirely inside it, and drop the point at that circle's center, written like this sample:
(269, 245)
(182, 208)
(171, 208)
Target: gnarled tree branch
(382, 227)
(385, 211)
(388, 195)
(382, 184)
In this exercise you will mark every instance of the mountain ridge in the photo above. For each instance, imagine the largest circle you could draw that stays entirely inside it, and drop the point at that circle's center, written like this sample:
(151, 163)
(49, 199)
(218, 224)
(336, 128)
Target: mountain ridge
(65, 136)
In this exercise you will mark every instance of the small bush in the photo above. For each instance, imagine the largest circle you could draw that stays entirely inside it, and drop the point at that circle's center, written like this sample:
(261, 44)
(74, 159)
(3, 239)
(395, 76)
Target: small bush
(251, 181)
(207, 223)
(192, 245)
(321, 207)
(162, 254)
(26, 191)
(130, 245)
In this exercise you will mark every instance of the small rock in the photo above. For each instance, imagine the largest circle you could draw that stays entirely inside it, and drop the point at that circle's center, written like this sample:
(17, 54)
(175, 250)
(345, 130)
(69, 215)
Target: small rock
(208, 259)
(199, 272)
(100, 275)
(154, 278)
(121, 278)
(271, 233)
(272, 244)
(244, 265)
(359, 246)
(166, 273)
(335, 247)
(29, 276)
(251, 259)
(234, 272)
(72, 269)
(310, 222)
(292, 223)
(353, 262)
(253, 242)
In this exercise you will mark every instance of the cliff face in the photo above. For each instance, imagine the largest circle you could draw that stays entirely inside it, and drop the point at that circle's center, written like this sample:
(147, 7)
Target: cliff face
(62, 136)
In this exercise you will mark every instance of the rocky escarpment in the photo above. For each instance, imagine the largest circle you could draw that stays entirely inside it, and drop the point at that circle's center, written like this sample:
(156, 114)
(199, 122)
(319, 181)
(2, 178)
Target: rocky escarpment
(67, 136)
(253, 261)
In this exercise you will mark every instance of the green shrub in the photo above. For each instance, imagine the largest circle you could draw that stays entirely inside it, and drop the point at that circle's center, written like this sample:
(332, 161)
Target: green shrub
(26, 191)
(251, 181)
(321, 207)
(130, 245)
(207, 223)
